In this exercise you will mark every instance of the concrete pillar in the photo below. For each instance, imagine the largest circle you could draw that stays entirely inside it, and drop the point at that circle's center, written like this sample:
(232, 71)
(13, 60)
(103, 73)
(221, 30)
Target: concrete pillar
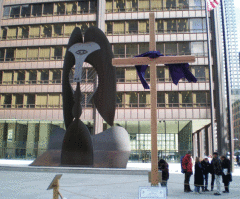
(101, 7)
(180, 99)
(30, 140)
(206, 140)
(11, 144)
(44, 131)
(50, 76)
(2, 153)
(26, 77)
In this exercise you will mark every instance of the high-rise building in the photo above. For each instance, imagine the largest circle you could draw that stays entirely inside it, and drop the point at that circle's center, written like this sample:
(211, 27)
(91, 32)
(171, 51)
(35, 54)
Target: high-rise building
(33, 40)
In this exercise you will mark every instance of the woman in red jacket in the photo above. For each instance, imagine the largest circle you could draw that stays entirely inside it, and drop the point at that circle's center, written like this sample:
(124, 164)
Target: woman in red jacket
(187, 167)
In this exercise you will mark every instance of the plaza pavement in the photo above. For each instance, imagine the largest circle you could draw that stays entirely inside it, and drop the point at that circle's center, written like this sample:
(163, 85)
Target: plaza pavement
(18, 183)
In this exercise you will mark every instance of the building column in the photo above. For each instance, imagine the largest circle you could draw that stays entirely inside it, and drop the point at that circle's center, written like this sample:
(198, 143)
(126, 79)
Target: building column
(30, 140)
(206, 140)
(11, 145)
(198, 144)
(2, 154)
(101, 7)
(44, 131)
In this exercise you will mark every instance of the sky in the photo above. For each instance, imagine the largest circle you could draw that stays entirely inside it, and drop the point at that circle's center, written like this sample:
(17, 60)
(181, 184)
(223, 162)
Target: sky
(237, 9)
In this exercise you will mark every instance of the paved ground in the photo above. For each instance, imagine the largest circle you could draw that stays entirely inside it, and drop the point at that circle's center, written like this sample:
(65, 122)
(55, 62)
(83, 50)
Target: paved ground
(33, 185)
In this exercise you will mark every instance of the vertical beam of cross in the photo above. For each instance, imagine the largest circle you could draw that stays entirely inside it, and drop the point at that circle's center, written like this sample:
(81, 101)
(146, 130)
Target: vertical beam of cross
(153, 93)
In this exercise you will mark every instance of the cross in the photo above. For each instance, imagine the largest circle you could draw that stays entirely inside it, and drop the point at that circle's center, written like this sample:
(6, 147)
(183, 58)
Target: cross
(153, 90)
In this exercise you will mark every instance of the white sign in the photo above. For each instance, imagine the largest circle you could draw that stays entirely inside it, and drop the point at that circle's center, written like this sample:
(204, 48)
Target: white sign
(10, 135)
(80, 52)
(152, 193)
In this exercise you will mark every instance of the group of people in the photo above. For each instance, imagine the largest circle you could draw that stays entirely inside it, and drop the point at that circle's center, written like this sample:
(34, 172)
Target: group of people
(218, 168)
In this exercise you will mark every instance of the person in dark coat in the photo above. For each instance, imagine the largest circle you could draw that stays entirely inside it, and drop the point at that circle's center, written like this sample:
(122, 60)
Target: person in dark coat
(206, 169)
(187, 167)
(217, 170)
(198, 175)
(226, 176)
(163, 166)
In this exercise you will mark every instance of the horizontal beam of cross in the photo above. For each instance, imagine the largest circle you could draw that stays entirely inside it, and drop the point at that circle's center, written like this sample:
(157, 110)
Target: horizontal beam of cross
(147, 60)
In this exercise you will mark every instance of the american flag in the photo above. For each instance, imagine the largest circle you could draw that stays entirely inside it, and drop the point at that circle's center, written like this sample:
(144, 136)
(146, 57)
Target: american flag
(211, 4)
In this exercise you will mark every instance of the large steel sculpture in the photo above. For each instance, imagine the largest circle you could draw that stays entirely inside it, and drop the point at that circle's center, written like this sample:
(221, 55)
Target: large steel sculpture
(77, 147)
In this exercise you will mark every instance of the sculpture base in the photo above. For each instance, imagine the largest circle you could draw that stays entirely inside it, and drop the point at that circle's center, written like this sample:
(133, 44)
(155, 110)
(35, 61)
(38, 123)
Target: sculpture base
(111, 150)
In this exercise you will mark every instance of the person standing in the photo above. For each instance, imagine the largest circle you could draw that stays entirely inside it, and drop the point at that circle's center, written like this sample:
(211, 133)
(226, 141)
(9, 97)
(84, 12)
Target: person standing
(226, 175)
(206, 169)
(217, 170)
(187, 168)
(163, 166)
(212, 174)
(198, 175)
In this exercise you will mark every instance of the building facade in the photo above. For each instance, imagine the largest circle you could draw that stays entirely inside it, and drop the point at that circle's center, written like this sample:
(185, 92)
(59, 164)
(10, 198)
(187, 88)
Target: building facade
(236, 124)
(33, 40)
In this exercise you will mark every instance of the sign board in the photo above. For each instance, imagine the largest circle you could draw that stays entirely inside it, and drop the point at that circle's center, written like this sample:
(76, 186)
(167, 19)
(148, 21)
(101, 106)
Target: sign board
(152, 193)
(54, 181)
(10, 135)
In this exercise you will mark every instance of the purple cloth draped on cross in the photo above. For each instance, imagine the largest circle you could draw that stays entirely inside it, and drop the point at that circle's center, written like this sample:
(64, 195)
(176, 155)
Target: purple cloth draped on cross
(177, 71)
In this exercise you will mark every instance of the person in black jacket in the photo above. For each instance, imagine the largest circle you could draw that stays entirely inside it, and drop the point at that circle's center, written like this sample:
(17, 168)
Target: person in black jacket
(198, 175)
(163, 166)
(226, 176)
(206, 169)
(217, 170)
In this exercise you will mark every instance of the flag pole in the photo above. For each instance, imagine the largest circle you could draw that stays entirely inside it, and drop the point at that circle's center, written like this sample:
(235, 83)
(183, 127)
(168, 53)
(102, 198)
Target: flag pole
(228, 88)
(210, 74)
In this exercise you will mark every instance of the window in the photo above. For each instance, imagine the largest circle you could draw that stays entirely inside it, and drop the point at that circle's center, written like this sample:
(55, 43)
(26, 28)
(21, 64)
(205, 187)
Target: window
(41, 101)
(59, 9)
(156, 4)
(143, 5)
(118, 28)
(119, 6)
(186, 99)
(201, 99)
(10, 53)
(53, 101)
(21, 54)
(109, 27)
(44, 53)
(12, 33)
(119, 50)
(56, 76)
(37, 10)
(132, 50)
(7, 77)
(142, 99)
(159, 25)
(32, 77)
(7, 100)
(160, 99)
(23, 32)
(83, 6)
(160, 74)
(200, 73)
(120, 74)
(47, 9)
(15, 11)
(56, 53)
(6, 11)
(197, 48)
(143, 47)
(132, 27)
(25, 11)
(170, 4)
(44, 76)
(58, 30)
(83, 27)
(170, 25)
(71, 8)
(196, 25)
(171, 48)
(19, 100)
(133, 99)
(93, 6)
(184, 48)
(131, 74)
(183, 4)
(182, 25)
(33, 54)
(173, 99)
(131, 5)
(46, 31)
(68, 29)
(1, 54)
(4, 33)
(34, 32)
(143, 27)
(120, 99)
(30, 100)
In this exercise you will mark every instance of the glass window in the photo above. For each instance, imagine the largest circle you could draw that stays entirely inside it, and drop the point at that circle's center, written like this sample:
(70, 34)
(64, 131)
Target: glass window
(12, 33)
(196, 25)
(19, 100)
(131, 74)
(195, 4)
(41, 101)
(156, 4)
(33, 53)
(44, 76)
(46, 31)
(143, 5)
(200, 73)
(160, 99)
(201, 99)
(56, 53)
(120, 74)
(119, 5)
(10, 54)
(145, 127)
(58, 30)
(109, 27)
(173, 99)
(132, 27)
(143, 27)
(133, 99)
(83, 6)
(160, 74)
(132, 127)
(6, 11)
(25, 11)
(21, 54)
(7, 77)
(118, 28)
(197, 48)
(44, 53)
(131, 5)
(36, 10)
(15, 11)
(93, 6)
(143, 47)
(30, 100)
(171, 48)
(1, 54)
(170, 25)
(56, 78)
(7, 100)
(4, 33)
(132, 50)
(183, 4)
(170, 4)
(119, 50)
(184, 48)
(34, 32)
(23, 32)
(109, 6)
(48, 9)
(186, 99)
(120, 99)
(32, 76)
(83, 27)
(159, 25)
(59, 9)
(71, 8)
(182, 25)
(142, 99)
(160, 47)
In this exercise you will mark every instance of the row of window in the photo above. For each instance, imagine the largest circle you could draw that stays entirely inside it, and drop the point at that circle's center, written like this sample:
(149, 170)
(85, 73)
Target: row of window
(119, 50)
(89, 6)
(124, 100)
(49, 9)
(112, 27)
(42, 31)
(124, 75)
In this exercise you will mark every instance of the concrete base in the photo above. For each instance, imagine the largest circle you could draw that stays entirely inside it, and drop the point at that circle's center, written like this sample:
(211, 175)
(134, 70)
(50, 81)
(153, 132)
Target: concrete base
(111, 150)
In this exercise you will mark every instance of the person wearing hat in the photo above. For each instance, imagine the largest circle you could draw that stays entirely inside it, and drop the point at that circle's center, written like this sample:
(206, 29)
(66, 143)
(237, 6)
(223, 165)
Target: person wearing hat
(187, 167)
(206, 169)
(217, 170)
(226, 175)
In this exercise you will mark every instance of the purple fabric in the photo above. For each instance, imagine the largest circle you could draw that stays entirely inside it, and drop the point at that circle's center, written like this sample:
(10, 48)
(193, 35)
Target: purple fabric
(177, 71)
